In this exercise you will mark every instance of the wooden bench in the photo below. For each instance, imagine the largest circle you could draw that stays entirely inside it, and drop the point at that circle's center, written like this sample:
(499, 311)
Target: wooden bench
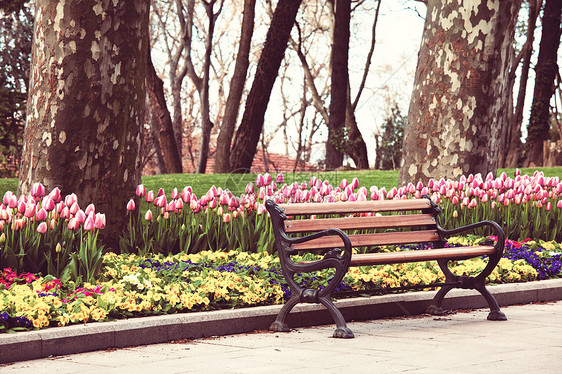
(399, 222)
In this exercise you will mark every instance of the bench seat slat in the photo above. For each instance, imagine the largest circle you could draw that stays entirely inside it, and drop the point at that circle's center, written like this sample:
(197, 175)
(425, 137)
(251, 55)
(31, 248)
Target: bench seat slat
(456, 253)
(355, 207)
(368, 240)
(359, 223)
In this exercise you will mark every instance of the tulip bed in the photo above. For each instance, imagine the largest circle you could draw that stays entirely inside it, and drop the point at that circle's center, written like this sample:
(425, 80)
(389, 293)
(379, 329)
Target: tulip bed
(182, 252)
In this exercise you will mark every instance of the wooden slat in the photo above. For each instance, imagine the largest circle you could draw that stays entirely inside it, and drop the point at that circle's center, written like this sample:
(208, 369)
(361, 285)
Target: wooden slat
(456, 253)
(354, 207)
(359, 223)
(368, 240)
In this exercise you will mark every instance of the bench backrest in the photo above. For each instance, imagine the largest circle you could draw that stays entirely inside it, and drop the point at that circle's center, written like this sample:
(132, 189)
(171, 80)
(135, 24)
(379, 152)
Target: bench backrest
(400, 222)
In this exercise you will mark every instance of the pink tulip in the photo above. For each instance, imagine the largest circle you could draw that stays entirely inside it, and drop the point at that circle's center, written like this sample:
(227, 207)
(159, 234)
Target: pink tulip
(42, 228)
(430, 184)
(472, 204)
(352, 198)
(455, 200)
(148, 215)
(90, 209)
(548, 206)
(226, 218)
(80, 216)
(69, 200)
(74, 208)
(260, 180)
(223, 200)
(262, 194)
(186, 194)
(29, 210)
(179, 205)
(559, 204)
(38, 190)
(22, 205)
(89, 225)
(212, 204)
(160, 192)
(250, 188)
(343, 184)
(493, 204)
(411, 188)
(443, 190)
(161, 201)
(73, 224)
(99, 221)
(55, 195)
(41, 215)
(48, 204)
(267, 179)
(261, 209)
(7, 197)
(141, 190)
(279, 178)
(65, 213)
(517, 172)
(193, 204)
(171, 207)
(149, 196)
(506, 202)
(175, 194)
(355, 183)
(312, 181)
(131, 205)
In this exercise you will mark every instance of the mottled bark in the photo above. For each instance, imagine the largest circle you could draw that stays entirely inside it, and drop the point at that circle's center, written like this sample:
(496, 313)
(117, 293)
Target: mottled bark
(224, 140)
(459, 101)
(86, 102)
(546, 69)
(162, 119)
(337, 135)
(248, 134)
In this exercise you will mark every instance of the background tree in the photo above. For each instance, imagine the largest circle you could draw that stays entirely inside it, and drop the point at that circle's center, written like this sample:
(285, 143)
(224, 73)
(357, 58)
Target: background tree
(459, 103)
(224, 140)
(248, 133)
(389, 150)
(161, 123)
(546, 69)
(16, 27)
(511, 136)
(86, 102)
(337, 133)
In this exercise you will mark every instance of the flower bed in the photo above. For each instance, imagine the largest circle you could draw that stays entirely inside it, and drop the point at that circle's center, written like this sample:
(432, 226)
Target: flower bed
(131, 286)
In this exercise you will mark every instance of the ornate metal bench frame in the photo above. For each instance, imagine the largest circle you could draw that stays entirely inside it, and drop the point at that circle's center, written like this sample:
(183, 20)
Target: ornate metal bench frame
(341, 260)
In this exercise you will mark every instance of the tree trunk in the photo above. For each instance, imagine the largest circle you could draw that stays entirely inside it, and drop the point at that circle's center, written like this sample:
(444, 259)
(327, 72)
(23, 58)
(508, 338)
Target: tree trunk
(206, 123)
(459, 102)
(514, 146)
(248, 134)
(162, 118)
(337, 135)
(355, 147)
(86, 103)
(222, 157)
(546, 69)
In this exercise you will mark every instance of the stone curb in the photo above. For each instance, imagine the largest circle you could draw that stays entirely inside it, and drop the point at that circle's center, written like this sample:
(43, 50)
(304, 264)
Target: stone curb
(159, 329)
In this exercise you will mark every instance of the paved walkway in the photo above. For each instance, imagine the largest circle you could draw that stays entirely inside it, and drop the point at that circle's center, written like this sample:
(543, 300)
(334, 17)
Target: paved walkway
(463, 342)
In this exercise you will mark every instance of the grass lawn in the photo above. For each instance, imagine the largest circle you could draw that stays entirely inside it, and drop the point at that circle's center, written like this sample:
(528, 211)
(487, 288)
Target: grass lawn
(237, 182)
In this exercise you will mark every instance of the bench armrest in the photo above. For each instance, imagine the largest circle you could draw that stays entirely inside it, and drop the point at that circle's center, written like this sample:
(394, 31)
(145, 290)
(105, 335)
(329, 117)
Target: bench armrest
(498, 232)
